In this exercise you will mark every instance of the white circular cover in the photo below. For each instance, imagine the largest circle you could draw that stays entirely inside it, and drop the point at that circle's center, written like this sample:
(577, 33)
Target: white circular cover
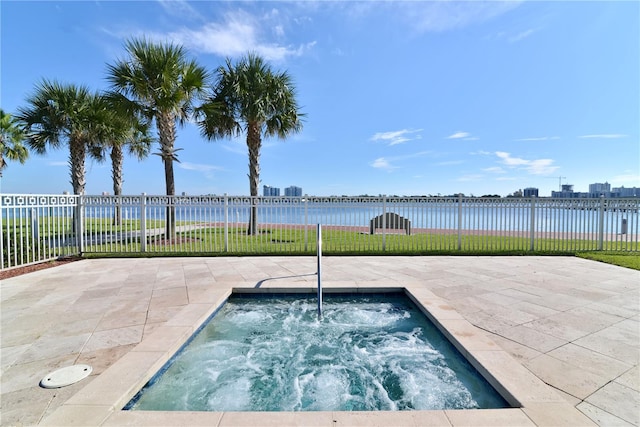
(66, 376)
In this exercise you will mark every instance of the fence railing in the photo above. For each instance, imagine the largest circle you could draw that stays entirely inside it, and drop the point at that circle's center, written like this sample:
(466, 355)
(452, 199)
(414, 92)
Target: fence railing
(36, 228)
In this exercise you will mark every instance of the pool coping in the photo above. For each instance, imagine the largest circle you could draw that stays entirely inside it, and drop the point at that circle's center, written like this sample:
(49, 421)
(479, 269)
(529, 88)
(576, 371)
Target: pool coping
(101, 401)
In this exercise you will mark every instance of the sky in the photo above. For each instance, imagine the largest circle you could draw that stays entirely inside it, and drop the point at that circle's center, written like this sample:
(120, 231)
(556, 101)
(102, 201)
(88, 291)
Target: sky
(400, 98)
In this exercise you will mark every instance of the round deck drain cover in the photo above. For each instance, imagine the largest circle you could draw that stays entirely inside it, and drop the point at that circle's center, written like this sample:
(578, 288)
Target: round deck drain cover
(66, 376)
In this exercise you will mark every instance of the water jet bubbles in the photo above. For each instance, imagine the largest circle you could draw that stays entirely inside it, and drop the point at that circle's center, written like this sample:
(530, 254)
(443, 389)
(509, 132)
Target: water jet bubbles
(325, 391)
(230, 396)
(377, 354)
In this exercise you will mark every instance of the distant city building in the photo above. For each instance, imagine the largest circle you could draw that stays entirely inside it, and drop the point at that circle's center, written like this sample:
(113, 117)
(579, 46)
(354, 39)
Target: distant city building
(626, 192)
(293, 191)
(530, 192)
(270, 191)
(598, 189)
(565, 193)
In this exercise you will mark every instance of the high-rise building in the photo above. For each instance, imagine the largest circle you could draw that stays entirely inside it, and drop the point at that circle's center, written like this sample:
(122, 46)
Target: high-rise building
(270, 191)
(530, 192)
(626, 192)
(566, 193)
(599, 189)
(293, 191)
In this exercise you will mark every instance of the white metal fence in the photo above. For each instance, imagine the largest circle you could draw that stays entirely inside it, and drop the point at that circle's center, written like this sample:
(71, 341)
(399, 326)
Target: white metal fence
(42, 227)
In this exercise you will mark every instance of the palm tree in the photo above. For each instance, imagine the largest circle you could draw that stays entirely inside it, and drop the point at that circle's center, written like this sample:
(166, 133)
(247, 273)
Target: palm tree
(63, 113)
(137, 142)
(11, 139)
(163, 84)
(124, 130)
(250, 97)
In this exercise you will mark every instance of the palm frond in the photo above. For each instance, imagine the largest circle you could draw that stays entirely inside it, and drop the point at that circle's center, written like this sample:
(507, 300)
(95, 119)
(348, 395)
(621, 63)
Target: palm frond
(250, 92)
(12, 137)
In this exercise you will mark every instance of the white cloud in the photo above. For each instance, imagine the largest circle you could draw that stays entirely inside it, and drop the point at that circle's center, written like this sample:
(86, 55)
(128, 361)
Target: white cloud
(450, 163)
(481, 153)
(511, 161)
(236, 145)
(397, 137)
(436, 16)
(495, 169)
(627, 179)
(414, 155)
(459, 135)
(522, 35)
(604, 136)
(541, 138)
(278, 30)
(386, 162)
(58, 163)
(179, 7)
(534, 167)
(207, 170)
(465, 136)
(382, 163)
(541, 167)
(238, 33)
(512, 36)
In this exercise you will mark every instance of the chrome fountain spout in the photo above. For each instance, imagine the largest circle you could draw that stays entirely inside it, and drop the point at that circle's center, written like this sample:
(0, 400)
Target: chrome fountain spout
(319, 256)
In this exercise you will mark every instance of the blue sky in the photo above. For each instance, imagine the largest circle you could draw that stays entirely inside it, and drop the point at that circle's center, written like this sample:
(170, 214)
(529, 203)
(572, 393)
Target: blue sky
(404, 98)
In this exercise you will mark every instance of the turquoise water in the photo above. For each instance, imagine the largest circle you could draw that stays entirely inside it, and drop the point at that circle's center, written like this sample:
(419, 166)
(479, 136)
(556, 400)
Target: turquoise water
(271, 353)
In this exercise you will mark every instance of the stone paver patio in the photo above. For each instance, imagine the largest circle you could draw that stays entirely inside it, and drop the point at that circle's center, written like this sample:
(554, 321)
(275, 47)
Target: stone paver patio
(569, 323)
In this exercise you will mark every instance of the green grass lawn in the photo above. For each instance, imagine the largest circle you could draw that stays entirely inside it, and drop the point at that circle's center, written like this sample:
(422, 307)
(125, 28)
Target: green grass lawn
(628, 260)
(210, 241)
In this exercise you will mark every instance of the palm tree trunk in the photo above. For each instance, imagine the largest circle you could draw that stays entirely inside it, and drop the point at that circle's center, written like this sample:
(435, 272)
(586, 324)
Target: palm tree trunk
(77, 153)
(170, 226)
(117, 159)
(2, 149)
(253, 142)
(167, 136)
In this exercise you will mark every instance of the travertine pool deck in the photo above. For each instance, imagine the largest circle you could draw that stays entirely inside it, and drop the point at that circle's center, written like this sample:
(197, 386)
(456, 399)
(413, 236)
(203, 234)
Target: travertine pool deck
(561, 334)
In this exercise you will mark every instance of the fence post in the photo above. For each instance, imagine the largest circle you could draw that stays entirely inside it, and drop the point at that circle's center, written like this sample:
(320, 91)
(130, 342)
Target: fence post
(2, 242)
(143, 222)
(306, 222)
(35, 234)
(226, 222)
(80, 224)
(532, 225)
(384, 222)
(459, 221)
(601, 224)
(35, 225)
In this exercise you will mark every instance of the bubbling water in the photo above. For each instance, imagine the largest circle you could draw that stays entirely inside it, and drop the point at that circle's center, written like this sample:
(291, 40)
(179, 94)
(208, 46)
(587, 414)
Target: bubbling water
(367, 353)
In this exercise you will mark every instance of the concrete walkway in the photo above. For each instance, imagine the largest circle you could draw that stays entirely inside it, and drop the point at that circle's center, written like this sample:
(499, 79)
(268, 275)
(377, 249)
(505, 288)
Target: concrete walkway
(574, 324)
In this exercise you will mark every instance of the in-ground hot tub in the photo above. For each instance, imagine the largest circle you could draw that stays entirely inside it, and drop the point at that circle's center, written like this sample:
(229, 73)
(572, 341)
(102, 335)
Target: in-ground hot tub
(266, 351)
